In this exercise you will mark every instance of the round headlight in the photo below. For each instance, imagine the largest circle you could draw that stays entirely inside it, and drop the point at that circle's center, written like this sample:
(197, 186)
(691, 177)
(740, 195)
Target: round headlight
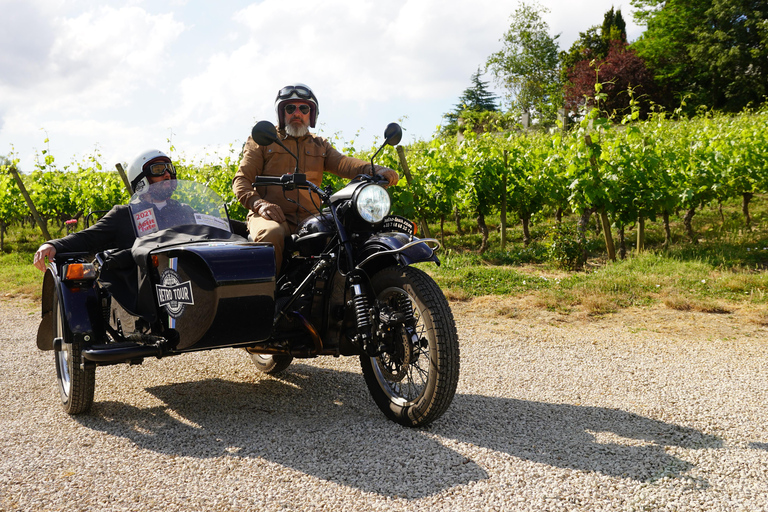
(372, 203)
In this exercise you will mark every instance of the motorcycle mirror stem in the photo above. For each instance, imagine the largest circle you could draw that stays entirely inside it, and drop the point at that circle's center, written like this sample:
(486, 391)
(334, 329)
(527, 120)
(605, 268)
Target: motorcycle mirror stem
(264, 134)
(392, 136)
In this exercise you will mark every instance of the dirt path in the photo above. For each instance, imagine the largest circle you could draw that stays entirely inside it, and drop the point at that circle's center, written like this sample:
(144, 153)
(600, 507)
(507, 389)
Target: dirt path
(641, 410)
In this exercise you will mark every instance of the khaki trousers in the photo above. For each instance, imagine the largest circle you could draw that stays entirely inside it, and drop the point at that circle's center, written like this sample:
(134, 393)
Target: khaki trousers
(263, 230)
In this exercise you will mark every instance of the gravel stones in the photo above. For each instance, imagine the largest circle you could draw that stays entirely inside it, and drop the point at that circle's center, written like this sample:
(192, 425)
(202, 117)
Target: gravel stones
(640, 411)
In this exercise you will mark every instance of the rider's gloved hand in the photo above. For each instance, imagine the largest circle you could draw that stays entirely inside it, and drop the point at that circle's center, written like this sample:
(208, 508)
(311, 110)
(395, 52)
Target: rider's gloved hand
(388, 174)
(269, 211)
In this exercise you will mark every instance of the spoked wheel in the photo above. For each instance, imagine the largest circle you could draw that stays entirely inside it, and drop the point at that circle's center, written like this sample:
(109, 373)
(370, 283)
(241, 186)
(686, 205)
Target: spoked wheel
(414, 382)
(76, 380)
(271, 364)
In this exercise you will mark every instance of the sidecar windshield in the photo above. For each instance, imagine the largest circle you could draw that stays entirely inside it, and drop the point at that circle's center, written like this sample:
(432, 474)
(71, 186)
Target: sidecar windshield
(171, 203)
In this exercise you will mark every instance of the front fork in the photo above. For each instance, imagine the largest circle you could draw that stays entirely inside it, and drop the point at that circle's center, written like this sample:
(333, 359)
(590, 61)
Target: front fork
(378, 322)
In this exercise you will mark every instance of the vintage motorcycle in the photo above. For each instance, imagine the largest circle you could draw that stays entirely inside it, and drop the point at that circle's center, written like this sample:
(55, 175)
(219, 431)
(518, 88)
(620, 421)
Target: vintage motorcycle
(188, 284)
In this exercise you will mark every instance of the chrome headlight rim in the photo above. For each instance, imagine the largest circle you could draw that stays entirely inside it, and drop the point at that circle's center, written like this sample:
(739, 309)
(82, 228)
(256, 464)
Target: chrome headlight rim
(372, 203)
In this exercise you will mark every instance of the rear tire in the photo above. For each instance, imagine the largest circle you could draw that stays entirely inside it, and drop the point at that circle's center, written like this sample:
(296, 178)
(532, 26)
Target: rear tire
(271, 364)
(414, 383)
(76, 380)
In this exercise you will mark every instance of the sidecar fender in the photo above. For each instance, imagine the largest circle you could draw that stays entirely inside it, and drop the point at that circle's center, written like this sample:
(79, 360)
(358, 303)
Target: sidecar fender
(80, 305)
(385, 249)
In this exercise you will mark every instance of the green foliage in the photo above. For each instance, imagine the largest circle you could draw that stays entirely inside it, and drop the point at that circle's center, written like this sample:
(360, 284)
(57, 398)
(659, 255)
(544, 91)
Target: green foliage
(565, 247)
(594, 43)
(652, 168)
(528, 65)
(710, 51)
(474, 100)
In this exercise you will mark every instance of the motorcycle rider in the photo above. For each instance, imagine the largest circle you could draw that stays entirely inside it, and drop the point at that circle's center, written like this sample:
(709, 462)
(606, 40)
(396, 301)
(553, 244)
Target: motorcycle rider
(273, 213)
(115, 230)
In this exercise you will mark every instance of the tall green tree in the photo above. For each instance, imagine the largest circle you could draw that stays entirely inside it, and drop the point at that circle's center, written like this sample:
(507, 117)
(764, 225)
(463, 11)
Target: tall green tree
(527, 67)
(713, 51)
(476, 98)
(614, 27)
(595, 43)
(732, 46)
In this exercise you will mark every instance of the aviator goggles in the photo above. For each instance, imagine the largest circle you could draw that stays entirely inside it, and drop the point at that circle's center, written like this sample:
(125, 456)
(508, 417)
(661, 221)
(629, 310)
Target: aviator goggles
(302, 92)
(159, 168)
(290, 109)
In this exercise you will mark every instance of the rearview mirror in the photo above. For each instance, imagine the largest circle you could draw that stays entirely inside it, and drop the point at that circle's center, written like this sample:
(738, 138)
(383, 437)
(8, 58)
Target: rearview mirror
(393, 134)
(264, 133)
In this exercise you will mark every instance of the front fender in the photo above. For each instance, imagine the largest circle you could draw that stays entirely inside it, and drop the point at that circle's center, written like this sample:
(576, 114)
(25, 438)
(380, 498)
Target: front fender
(385, 249)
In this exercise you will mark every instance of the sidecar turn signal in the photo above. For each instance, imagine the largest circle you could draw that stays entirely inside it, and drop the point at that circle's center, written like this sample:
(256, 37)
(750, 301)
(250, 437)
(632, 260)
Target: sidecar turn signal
(79, 272)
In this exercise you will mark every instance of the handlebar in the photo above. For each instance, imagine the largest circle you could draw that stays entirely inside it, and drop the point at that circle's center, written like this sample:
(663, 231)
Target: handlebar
(287, 181)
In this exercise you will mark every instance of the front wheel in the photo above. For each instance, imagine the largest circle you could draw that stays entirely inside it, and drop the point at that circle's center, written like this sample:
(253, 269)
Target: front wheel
(76, 379)
(413, 383)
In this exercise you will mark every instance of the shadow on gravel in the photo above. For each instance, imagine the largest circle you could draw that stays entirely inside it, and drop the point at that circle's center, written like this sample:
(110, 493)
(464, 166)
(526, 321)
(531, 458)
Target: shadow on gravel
(323, 423)
(319, 422)
(597, 439)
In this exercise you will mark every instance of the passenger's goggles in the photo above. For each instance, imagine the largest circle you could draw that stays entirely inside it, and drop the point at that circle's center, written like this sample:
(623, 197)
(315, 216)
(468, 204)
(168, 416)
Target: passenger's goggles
(290, 109)
(159, 168)
(302, 92)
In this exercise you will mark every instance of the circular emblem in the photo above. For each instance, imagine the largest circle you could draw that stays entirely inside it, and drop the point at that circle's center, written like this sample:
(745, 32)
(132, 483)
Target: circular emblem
(172, 294)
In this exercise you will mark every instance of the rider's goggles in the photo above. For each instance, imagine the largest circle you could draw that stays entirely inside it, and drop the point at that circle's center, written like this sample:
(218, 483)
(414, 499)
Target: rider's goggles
(159, 168)
(302, 92)
(290, 109)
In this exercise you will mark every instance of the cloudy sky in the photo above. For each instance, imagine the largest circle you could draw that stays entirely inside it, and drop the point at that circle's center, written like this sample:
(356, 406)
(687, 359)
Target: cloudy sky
(116, 77)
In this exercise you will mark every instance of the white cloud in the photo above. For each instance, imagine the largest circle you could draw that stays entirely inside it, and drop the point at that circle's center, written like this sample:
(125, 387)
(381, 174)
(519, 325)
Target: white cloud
(353, 54)
(72, 72)
(129, 74)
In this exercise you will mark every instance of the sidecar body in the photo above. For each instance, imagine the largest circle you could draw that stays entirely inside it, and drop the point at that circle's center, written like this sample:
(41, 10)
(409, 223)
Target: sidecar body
(186, 284)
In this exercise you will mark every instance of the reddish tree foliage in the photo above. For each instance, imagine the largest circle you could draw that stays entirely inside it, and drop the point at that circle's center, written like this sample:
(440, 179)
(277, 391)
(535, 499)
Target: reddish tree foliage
(620, 70)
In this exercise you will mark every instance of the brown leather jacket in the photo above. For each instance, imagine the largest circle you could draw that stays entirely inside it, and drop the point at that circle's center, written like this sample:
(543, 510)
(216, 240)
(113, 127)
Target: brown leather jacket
(316, 155)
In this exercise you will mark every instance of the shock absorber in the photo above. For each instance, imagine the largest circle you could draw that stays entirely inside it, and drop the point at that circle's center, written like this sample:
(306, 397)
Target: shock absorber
(362, 308)
(405, 307)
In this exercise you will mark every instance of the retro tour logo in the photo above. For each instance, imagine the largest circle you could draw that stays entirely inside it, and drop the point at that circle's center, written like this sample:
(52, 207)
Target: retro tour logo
(173, 295)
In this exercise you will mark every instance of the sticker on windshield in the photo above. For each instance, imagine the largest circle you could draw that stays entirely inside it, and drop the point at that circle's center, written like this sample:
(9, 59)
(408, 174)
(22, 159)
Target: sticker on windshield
(210, 220)
(173, 295)
(145, 221)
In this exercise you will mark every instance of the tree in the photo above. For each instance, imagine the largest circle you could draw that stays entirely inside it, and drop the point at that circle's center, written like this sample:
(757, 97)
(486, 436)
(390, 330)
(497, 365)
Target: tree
(528, 66)
(620, 71)
(595, 42)
(476, 98)
(614, 27)
(713, 51)
(733, 48)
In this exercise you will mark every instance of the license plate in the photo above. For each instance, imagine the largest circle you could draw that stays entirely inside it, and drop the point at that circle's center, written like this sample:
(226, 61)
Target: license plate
(397, 223)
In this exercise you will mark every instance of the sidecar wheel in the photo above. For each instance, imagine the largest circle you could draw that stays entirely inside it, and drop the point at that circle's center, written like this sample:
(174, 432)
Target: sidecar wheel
(414, 383)
(271, 364)
(76, 381)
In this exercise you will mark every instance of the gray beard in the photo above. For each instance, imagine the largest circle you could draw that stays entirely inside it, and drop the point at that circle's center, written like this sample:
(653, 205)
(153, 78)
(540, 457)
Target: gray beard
(296, 131)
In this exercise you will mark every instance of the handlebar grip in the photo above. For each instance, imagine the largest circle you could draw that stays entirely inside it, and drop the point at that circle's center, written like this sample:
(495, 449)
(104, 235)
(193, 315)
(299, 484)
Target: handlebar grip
(286, 180)
(268, 180)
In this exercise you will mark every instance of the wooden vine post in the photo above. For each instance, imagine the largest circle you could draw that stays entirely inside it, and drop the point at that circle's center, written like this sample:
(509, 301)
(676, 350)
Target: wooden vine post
(610, 247)
(38, 219)
(122, 174)
(503, 226)
(407, 171)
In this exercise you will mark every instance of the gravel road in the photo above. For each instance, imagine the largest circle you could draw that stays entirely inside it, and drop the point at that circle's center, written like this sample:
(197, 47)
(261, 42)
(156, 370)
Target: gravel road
(644, 410)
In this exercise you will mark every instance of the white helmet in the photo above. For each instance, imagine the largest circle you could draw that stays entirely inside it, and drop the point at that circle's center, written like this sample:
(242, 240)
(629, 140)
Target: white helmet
(294, 92)
(139, 171)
